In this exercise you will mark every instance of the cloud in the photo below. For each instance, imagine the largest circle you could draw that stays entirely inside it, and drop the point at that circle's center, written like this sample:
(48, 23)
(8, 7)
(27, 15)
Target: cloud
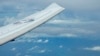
(69, 4)
(13, 49)
(68, 35)
(60, 28)
(82, 4)
(95, 48)
(75, 4)
(40, 34)
(31, 40)
(33, 48)
(46, 41)
(9, 20)
(69, 23)
(37, 49)
(42, 51)
(39, 41)
(61, 46)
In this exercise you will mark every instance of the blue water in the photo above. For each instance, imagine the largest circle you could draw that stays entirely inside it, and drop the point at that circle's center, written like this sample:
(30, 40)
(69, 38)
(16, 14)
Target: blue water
(50, 47)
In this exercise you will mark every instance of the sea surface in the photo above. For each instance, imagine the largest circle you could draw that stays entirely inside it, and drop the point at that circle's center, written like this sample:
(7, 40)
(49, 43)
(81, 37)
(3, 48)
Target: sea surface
(46, 46)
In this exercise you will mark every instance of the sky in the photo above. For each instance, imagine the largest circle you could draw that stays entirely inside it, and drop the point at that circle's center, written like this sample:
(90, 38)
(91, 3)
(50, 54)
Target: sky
(74, 32)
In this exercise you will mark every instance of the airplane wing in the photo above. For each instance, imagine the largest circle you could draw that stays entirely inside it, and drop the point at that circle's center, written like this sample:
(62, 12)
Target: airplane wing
(12, 31)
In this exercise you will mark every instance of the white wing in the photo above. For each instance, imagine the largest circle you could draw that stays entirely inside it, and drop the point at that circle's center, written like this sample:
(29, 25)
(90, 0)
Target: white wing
(18, 28)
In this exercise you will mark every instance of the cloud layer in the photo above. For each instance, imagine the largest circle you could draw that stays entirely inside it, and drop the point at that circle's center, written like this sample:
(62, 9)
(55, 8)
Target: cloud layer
(80, 18)
(95, 48)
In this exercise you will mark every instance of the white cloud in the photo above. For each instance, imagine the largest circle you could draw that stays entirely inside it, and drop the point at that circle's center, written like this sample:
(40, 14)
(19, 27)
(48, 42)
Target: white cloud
(71, 21)
(33, 48)
(37, 49)
(57, 31)
(61, 46)
(46, 41)
(42, 51)
(68, 35)
(35, 34)
(42, 41)
(68, 27)
(13, 49)
(9, 20)
(95, 48)
(39, 41)
(31, 40)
